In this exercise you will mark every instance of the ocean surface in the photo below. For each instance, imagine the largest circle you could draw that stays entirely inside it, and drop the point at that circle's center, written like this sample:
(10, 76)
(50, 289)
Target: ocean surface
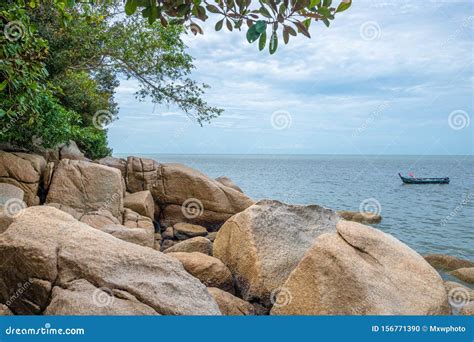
(429, 218)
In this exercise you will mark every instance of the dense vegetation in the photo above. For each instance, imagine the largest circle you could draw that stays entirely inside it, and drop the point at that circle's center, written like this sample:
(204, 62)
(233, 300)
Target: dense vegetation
(58, 72)
(61, 60)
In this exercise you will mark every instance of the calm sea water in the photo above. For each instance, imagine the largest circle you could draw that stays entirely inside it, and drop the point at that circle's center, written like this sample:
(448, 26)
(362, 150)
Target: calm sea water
(429, 218)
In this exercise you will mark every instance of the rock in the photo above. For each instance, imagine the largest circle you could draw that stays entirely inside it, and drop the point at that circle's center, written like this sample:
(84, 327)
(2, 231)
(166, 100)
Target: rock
(172, 214)
(82, 298)
(117, 163)
(132, 219)
(24, 171)
(141, 202)
(458, 294)
(49, 248)
(196, 244)
(87, 187)
(447, 262)
(356, 216)
(229, 183)
(467, 310)
(209, 270)
(99, 219)
(183, 231)
(9, 191)
(167, 244)
(139, 236)
(193, 197)
(229, 304)
(5, 311)
(361, 271)
(168, 233)
(264, 243)
(157, 242)
(11, 204)
(71, 151)
(465, 274)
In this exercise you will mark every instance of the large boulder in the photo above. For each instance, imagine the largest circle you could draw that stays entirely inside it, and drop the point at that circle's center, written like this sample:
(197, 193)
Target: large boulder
(193, 196)
(465, 274)
(447, 262)
(231, 305)
(209, 270)
(197, 244)
(82, 298)
(24, 171)
(361, 271)
(140, 202)
(48, 248)
(264, 243)
(87, 187)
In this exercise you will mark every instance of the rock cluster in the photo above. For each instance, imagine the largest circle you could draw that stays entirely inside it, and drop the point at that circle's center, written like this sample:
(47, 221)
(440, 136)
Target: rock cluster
(137, 237)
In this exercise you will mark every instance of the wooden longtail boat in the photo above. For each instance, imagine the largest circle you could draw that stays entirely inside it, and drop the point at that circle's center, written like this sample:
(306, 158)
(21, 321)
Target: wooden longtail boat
(415, 180)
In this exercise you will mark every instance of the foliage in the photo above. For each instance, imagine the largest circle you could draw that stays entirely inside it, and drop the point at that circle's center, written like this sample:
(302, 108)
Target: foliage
(292, 16)
(69, 60)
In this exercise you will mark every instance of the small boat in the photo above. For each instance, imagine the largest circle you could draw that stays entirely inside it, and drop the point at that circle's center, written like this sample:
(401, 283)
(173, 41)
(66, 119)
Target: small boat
(415, 180)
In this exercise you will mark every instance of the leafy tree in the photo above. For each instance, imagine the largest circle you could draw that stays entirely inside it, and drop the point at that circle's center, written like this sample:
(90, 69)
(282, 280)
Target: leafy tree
(81, 61)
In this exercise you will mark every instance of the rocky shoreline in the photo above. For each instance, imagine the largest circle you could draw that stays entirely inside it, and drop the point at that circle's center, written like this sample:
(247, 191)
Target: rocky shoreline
(137, 237)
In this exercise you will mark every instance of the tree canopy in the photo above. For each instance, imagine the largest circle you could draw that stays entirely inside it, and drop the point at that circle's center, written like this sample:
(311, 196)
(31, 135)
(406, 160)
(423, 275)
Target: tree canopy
(64, 70)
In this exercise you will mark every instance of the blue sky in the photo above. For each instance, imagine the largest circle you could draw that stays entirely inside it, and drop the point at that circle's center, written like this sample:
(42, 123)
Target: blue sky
(388, 77)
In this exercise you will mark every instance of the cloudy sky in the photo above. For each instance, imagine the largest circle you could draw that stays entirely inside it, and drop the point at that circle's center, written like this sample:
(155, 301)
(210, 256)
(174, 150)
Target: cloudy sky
(393, 77)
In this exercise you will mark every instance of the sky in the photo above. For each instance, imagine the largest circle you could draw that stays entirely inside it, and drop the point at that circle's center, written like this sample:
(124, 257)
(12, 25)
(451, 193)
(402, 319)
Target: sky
(388, 77)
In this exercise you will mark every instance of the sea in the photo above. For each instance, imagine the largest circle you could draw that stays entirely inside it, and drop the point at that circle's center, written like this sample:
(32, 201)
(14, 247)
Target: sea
(430, 218)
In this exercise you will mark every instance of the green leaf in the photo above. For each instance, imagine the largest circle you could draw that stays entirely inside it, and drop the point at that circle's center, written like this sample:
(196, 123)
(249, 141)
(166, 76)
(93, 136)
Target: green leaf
(327, 3)
(3, 85)
(212, 9)
(260, 26)
(272, 47)
(130, 7)
(286, 35)
(252, 34)
(302, 28)
(262, 41)
(2, 113)
(326, 22)
(219, 25)
(343, 6)
(228, 24)
(314, 3)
